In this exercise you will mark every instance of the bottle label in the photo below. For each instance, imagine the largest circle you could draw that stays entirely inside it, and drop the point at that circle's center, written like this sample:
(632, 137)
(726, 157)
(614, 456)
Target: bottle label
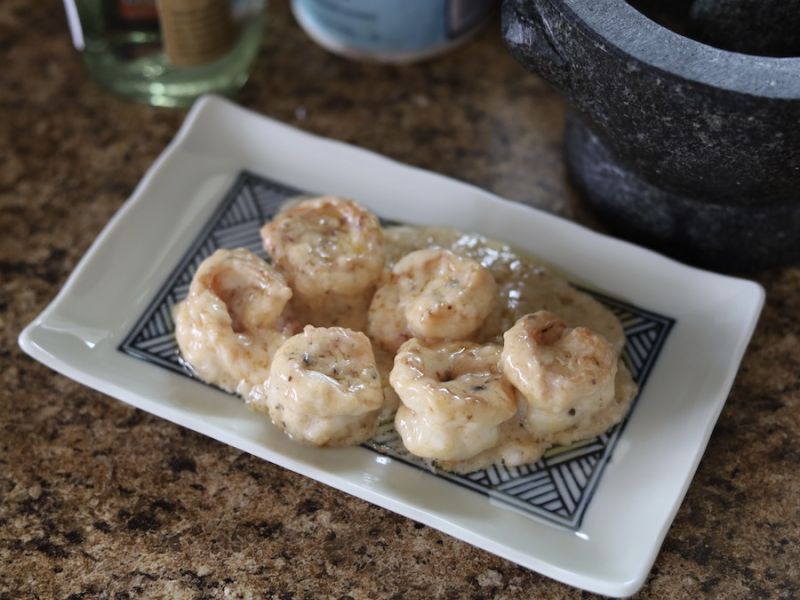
(195, 31)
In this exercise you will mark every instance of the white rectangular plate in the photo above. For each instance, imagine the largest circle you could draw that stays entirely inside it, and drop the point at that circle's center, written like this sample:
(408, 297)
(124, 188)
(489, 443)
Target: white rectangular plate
(598, 528)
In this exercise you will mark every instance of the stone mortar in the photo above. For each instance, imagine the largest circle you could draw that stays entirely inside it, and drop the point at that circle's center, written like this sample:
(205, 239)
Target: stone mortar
(681, 146)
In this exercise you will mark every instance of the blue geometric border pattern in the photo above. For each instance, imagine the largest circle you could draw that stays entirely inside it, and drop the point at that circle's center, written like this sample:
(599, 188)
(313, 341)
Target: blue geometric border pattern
(557, 488)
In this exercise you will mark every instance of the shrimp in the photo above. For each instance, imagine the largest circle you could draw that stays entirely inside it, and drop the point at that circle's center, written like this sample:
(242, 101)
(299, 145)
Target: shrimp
(515, 447)
(324, 387)
(432, 294)
(232, 320)
(331, 252)
(453, 396)
(592, 424)
(567, 376)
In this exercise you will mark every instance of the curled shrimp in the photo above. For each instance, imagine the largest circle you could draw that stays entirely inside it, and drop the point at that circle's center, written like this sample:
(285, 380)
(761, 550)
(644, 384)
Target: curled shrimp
(454, 398)
(432, 294)
(567, 376)
(331, 252)
(324, 387)
(232, 320)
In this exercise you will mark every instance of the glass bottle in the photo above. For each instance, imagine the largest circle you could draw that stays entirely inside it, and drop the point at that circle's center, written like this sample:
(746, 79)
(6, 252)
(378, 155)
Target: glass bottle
(168, 52)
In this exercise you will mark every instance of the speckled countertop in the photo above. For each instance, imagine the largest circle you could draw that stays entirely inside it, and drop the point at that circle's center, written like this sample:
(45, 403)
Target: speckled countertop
(98, 500)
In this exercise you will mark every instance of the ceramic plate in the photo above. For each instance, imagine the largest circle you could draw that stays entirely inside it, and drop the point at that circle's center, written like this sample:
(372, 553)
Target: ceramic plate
(592, 515)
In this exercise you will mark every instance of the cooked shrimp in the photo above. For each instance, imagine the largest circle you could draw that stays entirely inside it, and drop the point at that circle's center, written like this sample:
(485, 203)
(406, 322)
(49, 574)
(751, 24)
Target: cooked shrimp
(592, 424)
(386, 320)
(331, 252)
(515, 446)
(324, 387)
(453, 397)
(565, 375)
(432, 294)
(232, 321)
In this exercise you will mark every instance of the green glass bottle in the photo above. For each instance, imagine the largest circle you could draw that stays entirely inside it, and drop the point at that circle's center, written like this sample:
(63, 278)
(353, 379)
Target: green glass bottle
(168, 52)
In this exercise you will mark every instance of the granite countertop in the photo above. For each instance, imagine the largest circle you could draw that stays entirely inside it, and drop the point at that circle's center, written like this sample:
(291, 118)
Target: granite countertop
(99, 500)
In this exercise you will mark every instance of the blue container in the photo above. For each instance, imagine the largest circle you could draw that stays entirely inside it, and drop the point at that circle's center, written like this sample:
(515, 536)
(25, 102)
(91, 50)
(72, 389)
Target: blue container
(390, 30)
